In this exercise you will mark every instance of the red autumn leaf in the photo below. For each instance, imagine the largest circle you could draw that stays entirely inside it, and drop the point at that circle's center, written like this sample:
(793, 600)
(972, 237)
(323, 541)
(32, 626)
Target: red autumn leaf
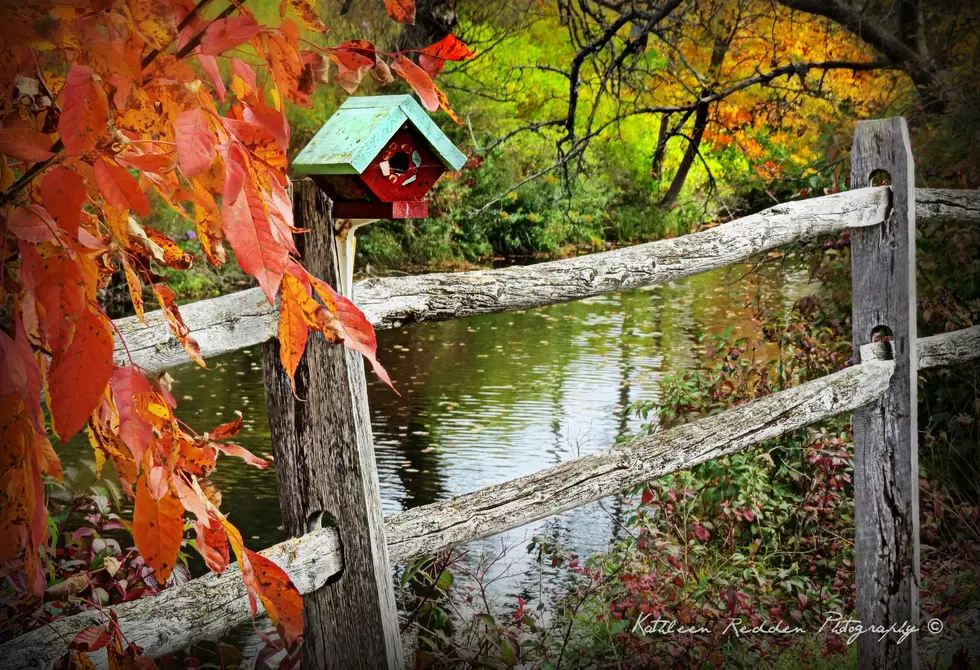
(212, 544)
(119, 188)
(210, 66)
(228, 33)
(90, 639)
(136, 433)
(195, 142)
(419, 80)
(267, 581)
(247, 133)
(433, 57)
(248, 229)
(402, 11)
(351, 67)
(78, 377)
(85, 113)
(161, 163)
(25, 144)
(31, 223)
(272, 120)
(244, 71)
(63, 192)
(282, 600)
(357, 330)
(236, 162)
(229, 449)
(59, 288)
(227, 430)
(168, 303)
(21, 374)
(158, 528)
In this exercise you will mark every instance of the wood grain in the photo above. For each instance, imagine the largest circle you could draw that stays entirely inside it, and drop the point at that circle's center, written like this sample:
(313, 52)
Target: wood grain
(326, 473)
(886, 487)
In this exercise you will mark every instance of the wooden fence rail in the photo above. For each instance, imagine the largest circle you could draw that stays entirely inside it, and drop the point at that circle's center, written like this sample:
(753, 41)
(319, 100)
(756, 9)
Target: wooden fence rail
(246, 318)
(208, 607)
(324, 452)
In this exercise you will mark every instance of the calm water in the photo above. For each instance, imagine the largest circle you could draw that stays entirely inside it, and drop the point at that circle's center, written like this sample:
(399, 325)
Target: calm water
(487, 399)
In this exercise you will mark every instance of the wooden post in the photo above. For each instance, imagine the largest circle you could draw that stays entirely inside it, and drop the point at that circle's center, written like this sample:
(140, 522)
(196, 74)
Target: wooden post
(886, 487)
(325, 469)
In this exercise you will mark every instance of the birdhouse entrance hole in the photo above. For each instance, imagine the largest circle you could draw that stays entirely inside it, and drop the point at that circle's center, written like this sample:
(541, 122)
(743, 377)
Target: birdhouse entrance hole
(399, 162)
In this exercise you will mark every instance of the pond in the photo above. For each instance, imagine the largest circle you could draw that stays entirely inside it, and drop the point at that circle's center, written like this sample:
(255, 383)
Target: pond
(487, 399)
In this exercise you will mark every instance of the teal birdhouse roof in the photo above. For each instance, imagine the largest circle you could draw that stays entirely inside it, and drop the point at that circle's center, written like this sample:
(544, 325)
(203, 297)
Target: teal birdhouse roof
(359, 130)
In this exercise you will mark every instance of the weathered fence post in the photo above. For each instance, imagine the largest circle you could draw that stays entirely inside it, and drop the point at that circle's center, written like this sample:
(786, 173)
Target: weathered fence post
(886, 488)
(325, 469)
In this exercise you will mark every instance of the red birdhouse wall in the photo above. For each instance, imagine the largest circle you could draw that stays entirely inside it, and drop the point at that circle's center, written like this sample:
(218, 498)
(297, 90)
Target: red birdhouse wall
(393, 186)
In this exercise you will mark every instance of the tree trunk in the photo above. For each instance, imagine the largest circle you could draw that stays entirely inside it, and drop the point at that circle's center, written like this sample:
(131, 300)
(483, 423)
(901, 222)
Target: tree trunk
(693, 146)
(662, 137)
(718, 53)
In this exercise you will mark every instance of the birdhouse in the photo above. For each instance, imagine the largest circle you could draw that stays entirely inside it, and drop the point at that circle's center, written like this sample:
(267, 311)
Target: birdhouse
(377, 157)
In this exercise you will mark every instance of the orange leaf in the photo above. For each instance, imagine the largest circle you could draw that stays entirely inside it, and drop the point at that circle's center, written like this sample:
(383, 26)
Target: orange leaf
(168, 303)
(79, 376)
(161, 163)
(63, 192)
(248, 229)
(31, 223)
(272, 120)
(85, 113)
(306, 11)
(433, 57)
(212, 544)
(444, 105)
(158, 528)
(155, 22)
(227, 430)
(135, 432)
(173, 256)
(59, 288)
(119, 188)
(282, 600)
(195, 142)
(272, 586)
(402, 11)
(207, 221)
(21, 373)
(135, 287)
(25, 144)
(419, 80)
(357, 330)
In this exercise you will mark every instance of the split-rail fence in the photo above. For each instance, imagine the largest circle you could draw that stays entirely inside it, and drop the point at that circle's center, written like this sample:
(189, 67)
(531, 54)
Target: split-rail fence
(343, 548)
